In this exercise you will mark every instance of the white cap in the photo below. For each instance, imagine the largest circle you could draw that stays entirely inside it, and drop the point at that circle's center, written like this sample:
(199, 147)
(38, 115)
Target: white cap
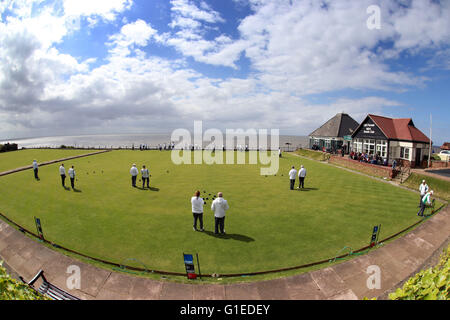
(423, 181)
(432, 192)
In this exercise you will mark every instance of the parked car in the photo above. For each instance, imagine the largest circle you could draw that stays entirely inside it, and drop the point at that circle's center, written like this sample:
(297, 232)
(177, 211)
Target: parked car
(444, 155)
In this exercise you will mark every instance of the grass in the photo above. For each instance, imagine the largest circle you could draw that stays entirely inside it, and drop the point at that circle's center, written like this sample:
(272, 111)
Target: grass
(440, 187)
(268, 226)
(22, 158)
(314, 155)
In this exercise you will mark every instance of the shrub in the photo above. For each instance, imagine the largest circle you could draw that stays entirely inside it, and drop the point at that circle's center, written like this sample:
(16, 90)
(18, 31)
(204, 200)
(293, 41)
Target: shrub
(11, 289)
(431, 284)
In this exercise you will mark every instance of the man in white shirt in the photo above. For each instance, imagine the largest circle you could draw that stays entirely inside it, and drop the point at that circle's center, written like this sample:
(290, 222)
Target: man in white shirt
(219, 206)
(301, 177)
(197, 210)
(423, 188)
(35, 169)
(134, 173)
(72, 177)
(145, 177)
(293, 177)
(62, 172)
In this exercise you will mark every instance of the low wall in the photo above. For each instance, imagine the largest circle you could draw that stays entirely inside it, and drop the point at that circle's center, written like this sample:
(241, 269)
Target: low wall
(439, 164)
(371, 169)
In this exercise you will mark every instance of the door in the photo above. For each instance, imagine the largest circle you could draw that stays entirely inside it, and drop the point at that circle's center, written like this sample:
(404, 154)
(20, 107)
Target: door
(418, 157)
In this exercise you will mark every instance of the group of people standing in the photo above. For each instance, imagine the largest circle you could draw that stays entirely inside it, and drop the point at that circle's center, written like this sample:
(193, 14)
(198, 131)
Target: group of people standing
(301, 177)
(219, 206)
(62, 173)
(145, 176)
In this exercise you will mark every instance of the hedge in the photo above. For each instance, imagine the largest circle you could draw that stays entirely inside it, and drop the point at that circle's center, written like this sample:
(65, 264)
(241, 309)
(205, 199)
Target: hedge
(11, 289)
(430, 284)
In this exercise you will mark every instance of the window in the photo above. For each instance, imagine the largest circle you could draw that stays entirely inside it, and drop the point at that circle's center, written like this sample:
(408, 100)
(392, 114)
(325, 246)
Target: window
(357, 145)
(404, 153)
(382, 148)
(369, 146)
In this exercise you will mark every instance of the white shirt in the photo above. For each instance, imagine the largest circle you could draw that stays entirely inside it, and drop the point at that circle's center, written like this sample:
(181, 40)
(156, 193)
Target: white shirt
(293, 174)
(35, 165)
(134, 171)
(197, 204)
(219, 206)
(302, 173)
(62, 171)
(423, 189)
(72, 173)
(145, 173)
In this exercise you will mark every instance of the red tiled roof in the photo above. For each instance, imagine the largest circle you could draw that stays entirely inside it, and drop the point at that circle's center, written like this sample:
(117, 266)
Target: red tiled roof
(399, 129)
(446, 146)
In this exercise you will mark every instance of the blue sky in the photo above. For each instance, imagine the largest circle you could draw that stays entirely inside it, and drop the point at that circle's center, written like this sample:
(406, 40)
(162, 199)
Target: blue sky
(134, 66)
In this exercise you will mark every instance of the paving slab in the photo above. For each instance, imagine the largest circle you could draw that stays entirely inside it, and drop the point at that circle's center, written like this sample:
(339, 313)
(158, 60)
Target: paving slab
(303, 287)
(244, 291)
(209, 292)
(328, 282)
(345, 295)
(273, 289)
(176, 291)
(145, 289)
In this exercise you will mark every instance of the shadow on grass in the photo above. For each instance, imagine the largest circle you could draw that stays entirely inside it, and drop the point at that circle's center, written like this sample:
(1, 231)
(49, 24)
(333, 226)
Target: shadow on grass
(237, 237)
(77, 190)
(307, 189)
(148, 189)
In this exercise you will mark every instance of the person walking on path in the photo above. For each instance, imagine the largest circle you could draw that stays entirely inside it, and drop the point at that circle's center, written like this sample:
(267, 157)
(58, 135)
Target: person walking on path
(72, 177)
(219, 206)
(197, 210)
(134, 173)
(35, 169)
(62, 172)
(423, 188)
(145, 177)
(426, 200)
(292, 177)
(301, 177)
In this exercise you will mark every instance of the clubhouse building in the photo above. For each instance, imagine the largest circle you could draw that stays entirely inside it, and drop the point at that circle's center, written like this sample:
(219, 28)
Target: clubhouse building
(391, 139)
(335, 134)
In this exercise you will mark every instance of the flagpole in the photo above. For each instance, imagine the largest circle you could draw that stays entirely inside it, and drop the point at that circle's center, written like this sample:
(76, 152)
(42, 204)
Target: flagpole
(431, 142)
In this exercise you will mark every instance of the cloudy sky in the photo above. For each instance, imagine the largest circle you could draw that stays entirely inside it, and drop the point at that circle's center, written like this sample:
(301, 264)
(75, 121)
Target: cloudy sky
(135, 66)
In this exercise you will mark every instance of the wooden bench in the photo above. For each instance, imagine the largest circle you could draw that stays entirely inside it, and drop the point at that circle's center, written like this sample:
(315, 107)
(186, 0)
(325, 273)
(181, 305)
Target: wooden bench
(48, 289)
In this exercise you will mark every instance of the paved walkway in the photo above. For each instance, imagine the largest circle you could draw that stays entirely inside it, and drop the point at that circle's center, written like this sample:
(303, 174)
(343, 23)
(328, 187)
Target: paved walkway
(5, 173)
(397, 260)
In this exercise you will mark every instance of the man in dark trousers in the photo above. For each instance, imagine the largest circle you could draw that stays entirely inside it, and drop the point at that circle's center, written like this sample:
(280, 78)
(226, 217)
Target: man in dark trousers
(145, 177)
(62, 172)
(134, 173)
(292, 177)
(72, 177)
(301, 177)
(35, 169)
(219, 206)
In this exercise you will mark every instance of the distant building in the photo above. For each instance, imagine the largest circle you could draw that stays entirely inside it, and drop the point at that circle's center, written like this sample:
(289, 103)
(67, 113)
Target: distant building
(391, 139)
(445, 146)
(335, 134)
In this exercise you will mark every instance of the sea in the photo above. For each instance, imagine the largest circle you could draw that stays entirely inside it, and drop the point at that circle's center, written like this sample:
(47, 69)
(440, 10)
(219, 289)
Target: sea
(127, 141)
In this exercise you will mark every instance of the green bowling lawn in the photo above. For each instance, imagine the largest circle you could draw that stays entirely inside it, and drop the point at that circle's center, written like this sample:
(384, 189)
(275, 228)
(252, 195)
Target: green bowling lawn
(22, 158)
(268, 226)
